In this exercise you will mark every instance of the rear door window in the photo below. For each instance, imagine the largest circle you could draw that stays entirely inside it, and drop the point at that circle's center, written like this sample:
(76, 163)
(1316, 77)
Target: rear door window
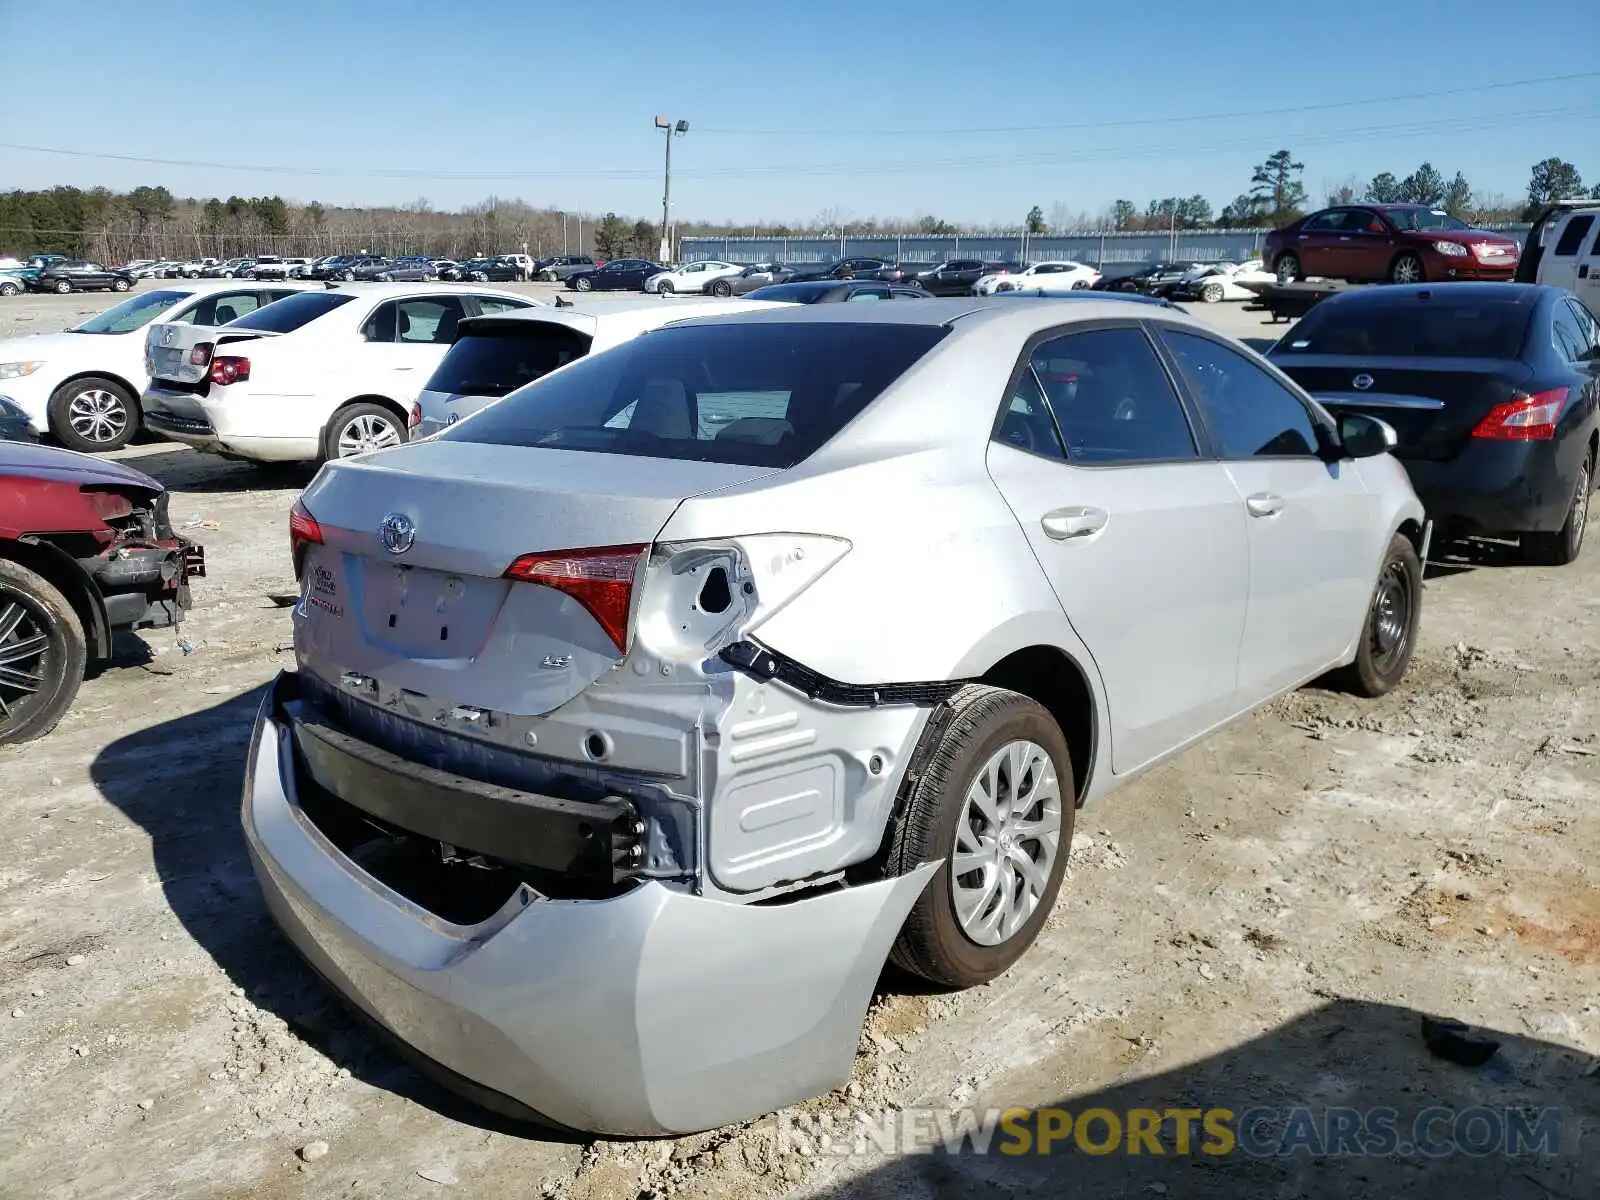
(225, 307)
(428, 320)
(1250, 414)
(1571, 340)
(758, 395)
(1112, 400)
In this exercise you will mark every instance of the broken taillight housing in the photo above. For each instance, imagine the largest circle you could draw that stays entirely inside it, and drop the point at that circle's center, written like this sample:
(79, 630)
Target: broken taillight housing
(303, 531)
(1524, 419)
(228, 368)
(601, 579)
(414, 418)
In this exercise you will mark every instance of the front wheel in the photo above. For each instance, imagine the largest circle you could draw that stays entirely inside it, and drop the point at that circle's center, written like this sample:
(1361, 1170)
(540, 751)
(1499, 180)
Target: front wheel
(93, 415)
(1287, 268)
(42, 654)
(119, 285)
(547, 276)
(1563, 547)
(582, 284)
(62, 287)
(7, 288)
(1407, 268)
(1211, 293)
(994, 804)
(348, 276)
(360, 428)
(1389, 634)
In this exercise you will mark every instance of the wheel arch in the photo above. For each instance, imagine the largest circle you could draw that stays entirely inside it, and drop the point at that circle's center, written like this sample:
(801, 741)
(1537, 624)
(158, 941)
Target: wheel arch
(385, 402)
(108, 376)
(71, 581)
(1055, 679)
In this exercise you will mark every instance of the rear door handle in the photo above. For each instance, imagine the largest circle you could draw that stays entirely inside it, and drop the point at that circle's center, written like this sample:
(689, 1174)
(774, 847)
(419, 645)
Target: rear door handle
(1264, 504)
(1064, 523)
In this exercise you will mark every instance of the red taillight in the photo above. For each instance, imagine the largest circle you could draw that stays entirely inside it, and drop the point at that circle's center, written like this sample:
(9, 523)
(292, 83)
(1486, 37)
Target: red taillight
(200, 355)
(600, 579)
(1525, 419)
(227, 369)
(303, 530)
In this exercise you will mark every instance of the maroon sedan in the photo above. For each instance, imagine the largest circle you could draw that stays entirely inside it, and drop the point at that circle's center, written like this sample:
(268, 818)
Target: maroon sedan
(85, 550)
(1403, 243)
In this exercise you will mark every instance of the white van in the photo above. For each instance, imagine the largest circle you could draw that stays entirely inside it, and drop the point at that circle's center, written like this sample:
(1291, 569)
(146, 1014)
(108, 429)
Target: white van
(1564, 249)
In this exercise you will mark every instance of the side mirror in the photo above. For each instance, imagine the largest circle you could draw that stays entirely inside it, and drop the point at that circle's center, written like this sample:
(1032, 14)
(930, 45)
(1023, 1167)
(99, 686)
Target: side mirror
(1366, 437)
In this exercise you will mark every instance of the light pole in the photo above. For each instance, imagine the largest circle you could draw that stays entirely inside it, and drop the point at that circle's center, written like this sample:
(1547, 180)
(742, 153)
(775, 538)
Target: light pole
(681, 128)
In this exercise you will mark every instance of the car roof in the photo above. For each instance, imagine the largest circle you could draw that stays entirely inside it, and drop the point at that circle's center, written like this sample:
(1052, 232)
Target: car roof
(986, 311)
(1392, 294)
(401, 291)
(641, 315)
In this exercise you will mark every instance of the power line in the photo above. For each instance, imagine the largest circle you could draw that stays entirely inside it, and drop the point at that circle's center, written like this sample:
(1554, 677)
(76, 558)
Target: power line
(1105, 154)
(1173, 119)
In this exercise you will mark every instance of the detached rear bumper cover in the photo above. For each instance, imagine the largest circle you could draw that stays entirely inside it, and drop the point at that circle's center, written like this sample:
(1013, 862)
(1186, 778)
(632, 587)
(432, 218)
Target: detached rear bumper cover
(657, 1012)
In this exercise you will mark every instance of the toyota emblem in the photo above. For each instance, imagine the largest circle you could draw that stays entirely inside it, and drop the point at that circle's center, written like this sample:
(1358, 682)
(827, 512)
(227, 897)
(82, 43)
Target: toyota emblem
(397, 532)
(1361, 382)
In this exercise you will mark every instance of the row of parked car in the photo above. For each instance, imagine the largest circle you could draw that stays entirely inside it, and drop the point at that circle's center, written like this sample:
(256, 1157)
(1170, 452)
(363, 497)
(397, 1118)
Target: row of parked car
(578, 716)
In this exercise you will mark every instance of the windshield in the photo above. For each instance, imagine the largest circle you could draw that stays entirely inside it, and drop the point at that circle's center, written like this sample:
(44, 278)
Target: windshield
(753, 394)
(1423, 218)
(1443, 327)
(497, 361)
(290, 313)
(133, 313)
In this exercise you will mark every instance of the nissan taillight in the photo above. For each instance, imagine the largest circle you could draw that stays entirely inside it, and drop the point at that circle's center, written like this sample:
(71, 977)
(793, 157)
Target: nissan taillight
(303, 531)
(1525, 418)
(227, 368)
(601, 579)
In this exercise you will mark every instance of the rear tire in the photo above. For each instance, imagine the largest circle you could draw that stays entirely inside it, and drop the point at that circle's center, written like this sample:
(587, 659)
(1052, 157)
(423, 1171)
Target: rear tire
(665, 287)
(1389, 634)
(119, 285)
(1563, 547)
(42, 656)
(722, 288)
(1211, 293)
(93, 415)
(1407, 268)
(979, 739)
(1287, 268)
(9, 289)
(62, 287)
(360, 428)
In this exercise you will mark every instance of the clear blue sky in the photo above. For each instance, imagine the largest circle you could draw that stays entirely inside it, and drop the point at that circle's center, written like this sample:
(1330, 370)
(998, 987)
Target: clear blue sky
(794, 106)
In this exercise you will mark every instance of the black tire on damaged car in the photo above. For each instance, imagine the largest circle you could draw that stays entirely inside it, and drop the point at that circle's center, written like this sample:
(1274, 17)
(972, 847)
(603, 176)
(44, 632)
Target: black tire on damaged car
(58, 665)
(1562, 547)
(971, 727)
(1394, 618)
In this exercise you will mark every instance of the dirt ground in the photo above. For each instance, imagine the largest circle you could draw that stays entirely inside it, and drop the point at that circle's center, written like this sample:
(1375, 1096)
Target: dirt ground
(1261, 922)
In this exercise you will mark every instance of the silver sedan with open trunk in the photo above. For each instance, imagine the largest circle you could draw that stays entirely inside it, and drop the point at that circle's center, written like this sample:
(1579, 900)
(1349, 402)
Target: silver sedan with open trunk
(641, 716)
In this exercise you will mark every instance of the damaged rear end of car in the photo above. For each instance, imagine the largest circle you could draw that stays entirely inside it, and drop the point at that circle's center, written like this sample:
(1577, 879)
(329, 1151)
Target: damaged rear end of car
(538, 800)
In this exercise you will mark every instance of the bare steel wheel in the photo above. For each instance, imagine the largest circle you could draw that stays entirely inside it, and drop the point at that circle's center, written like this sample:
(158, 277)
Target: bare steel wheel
(1006, 843)
(42, 654)
(991, 799)
(361, 428)
(1393, 620)
(93, 415)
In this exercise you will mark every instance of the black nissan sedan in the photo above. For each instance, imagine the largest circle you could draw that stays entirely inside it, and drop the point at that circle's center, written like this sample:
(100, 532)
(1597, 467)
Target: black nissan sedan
(1493, 390)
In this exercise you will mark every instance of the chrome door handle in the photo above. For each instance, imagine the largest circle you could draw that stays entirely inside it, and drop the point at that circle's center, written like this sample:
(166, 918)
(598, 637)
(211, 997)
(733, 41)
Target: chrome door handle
(1264, 504)
(1063, 523)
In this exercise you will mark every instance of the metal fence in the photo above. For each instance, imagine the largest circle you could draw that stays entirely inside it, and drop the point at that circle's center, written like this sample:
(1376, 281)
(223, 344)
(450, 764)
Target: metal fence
(1111, 252)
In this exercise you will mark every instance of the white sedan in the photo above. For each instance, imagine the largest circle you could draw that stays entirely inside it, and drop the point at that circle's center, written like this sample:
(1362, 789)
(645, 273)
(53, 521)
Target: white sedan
(691, 277)
(83, 384)
(327, 374)
(1222, 281)
(1046, 277)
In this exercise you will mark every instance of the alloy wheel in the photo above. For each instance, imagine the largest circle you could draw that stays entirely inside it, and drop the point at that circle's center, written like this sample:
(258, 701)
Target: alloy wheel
(367, 432)
(1407, 269)
(97, 415)
(1580, 509)
(24, 647)
(1007, 839)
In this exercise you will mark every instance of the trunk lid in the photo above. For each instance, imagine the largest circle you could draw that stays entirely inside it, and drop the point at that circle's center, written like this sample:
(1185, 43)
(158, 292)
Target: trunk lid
(439, 617)
(170, 350)
(1433, 404)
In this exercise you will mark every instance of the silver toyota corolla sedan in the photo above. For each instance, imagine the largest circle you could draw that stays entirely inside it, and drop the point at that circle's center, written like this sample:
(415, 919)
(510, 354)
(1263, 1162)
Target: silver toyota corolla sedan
(641, 716)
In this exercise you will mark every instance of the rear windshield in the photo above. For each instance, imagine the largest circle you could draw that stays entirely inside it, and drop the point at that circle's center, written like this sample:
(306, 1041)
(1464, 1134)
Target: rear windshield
(288, 314)
(803, 293)
(494, 362)
(753, 394)
(1442, 327)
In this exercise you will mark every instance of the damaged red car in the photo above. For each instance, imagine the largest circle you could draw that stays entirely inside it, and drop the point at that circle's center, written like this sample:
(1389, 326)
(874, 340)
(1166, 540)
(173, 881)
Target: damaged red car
(86, 550)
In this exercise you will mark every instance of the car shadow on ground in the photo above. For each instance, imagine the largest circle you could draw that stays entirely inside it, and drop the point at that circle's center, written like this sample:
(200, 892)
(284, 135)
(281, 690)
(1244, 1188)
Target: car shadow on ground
(1460, 556)
(181, 781)
(1345, 1096)
(182, 470)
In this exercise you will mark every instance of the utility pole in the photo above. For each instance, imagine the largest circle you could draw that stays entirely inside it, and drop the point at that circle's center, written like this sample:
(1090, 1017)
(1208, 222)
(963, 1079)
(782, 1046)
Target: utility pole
(681, 128)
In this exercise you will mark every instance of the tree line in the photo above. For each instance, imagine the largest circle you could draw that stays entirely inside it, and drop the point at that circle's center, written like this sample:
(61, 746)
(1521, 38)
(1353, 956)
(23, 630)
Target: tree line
(150, 222)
